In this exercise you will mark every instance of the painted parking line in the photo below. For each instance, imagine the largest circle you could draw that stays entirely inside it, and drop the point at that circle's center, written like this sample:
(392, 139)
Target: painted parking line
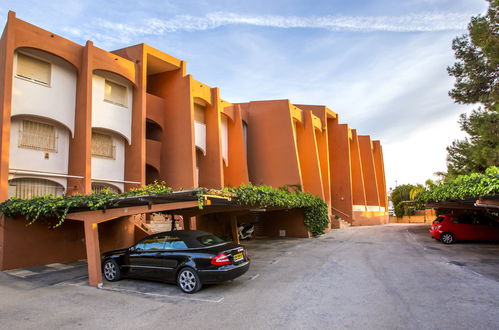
(20, 273)
(76, 281)
(151, 294)
(252, 277)
(41, 270)
(58, 266)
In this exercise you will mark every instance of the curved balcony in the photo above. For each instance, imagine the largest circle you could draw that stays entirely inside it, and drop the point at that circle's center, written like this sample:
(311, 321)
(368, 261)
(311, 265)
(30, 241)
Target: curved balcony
(155, 106)
(153, 153)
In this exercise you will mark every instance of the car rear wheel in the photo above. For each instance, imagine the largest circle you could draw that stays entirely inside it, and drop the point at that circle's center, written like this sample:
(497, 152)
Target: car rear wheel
(111, 270)
(188, 280)
(447, 238)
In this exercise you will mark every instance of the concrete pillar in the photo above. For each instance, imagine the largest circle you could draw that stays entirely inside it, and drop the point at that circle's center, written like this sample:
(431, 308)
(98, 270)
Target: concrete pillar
(135, 152)
(211, 165)
(272, 158)
(308, 155)
(233, 228)
(80, 151)
(189, 223)
(380, 173)
(178, 155)
(358, 189)
(93, 253)
(322, 149)
(368, 170)
(339, 160)
(237, 172)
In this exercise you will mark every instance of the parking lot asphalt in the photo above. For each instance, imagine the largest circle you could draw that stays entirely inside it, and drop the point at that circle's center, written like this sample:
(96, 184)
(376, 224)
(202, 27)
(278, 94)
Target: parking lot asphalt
(381, 277)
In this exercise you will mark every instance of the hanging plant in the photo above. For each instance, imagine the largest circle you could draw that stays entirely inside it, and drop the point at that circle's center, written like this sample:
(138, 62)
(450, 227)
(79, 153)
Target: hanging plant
(473, 185)
(315, 209)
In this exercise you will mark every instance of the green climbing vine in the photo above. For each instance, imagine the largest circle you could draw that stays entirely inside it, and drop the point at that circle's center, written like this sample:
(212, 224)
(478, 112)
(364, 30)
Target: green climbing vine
(474, 185)
(55, 209)
(315, 209)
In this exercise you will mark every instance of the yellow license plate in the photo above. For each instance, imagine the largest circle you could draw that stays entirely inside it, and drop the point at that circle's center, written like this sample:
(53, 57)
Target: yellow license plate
(238, 257)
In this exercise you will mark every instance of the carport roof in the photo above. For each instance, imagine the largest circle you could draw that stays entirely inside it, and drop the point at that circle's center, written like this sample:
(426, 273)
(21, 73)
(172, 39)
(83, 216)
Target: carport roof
(490, 202)
(215, 197)
(181, 202)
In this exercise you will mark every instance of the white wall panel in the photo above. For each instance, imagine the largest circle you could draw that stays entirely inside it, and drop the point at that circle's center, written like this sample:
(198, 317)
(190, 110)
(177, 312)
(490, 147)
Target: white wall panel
(35, 160)
(56, 101)
(108, 115)
(111, 169)
(200, 136)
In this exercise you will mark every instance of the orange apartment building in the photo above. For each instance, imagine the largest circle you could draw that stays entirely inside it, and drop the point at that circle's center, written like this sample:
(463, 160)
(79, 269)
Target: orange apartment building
(77, 119)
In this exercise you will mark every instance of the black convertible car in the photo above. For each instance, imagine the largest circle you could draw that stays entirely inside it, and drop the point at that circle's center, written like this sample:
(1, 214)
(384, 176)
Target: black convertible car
(189, 258)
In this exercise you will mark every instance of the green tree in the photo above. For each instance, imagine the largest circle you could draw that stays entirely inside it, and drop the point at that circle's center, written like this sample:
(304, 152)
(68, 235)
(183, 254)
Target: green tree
(415, 191)
(476, 82)
(399, 195)
(481, 149)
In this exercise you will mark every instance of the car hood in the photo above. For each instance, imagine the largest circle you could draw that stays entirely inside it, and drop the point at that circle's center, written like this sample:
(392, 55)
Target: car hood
(115, 252)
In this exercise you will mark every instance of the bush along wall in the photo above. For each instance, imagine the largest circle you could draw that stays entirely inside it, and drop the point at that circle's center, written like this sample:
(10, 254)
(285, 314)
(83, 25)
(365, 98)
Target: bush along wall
(49, 207)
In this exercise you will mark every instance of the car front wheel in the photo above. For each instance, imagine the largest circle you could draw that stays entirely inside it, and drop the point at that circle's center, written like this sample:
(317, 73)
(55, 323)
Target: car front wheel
(447, 238)
(188, 280)
(111, 270)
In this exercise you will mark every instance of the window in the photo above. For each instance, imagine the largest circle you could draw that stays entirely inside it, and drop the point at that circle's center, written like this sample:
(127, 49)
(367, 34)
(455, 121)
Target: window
(102, 145)
(32, 187)
(36, 135)
(33, 69)
(463, 219)
(245, 138)
(98, 187)
(199, 113)
(208, 240)
(174, 243)
(439, 220)
(115, 93)
(151, 244)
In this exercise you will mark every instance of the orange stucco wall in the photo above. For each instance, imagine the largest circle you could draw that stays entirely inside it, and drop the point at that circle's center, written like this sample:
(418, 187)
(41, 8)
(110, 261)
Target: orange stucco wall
(236, 173)
(290, 221)
(308, 155)
(178, 162)
(286, 144)
(369, 218)
(358, 189)
(272, 151)
(368, 170)
(341, 179)
(36, 244)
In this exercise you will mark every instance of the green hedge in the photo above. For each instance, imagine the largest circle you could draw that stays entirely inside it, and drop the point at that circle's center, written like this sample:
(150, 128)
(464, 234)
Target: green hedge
(474, 185)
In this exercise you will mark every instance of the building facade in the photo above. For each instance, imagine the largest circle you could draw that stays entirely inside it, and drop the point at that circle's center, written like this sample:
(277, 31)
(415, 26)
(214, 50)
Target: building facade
(77, 119)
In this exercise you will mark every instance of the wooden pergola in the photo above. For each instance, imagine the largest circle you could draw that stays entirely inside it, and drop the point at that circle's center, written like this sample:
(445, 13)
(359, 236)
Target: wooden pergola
(184, 203)
(475, 204)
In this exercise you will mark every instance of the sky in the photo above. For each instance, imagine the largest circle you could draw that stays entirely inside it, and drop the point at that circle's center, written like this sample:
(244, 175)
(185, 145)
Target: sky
(380, 64)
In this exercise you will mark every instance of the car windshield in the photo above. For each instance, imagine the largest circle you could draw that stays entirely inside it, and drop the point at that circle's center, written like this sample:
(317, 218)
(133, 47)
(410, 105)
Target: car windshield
(438, 220)
(209, 240)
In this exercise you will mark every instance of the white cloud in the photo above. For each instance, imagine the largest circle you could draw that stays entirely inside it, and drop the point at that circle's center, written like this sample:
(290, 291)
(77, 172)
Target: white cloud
(422, 22)
(414, 159)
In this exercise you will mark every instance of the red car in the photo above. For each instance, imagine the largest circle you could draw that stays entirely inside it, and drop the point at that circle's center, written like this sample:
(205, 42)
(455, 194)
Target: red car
(449, 228)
